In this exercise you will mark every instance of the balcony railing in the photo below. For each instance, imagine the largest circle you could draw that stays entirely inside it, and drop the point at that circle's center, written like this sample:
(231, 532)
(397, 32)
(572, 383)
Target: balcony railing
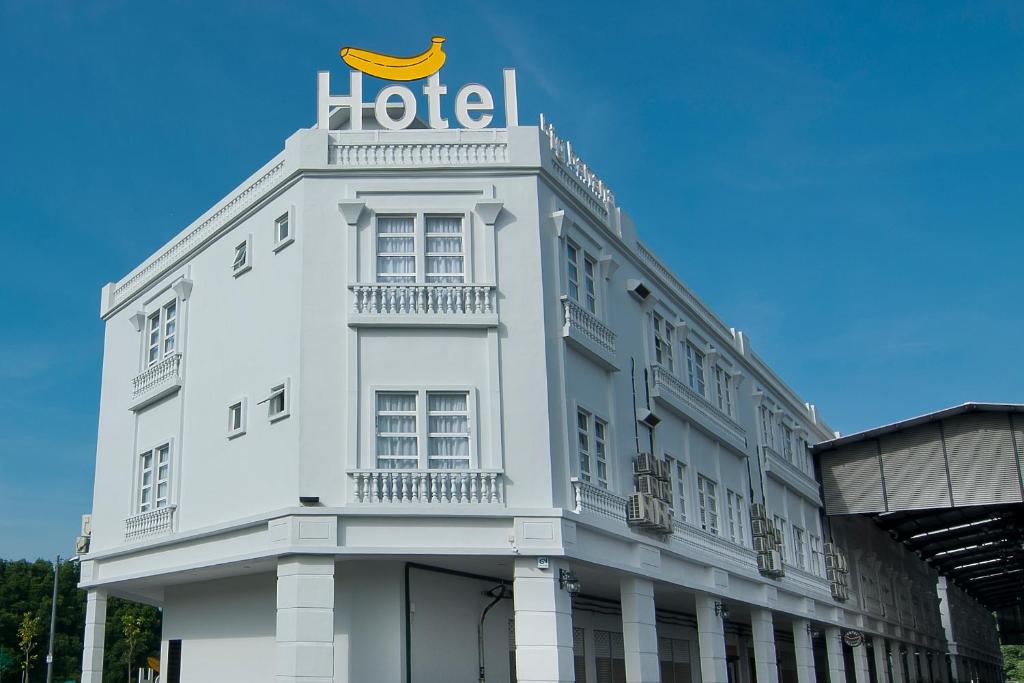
(587, 333)
(429, 486)
(684, 399)
(590, 498)
(149, 524)
(778, 466)
(695, 537)
(156, 381)
(419, 303)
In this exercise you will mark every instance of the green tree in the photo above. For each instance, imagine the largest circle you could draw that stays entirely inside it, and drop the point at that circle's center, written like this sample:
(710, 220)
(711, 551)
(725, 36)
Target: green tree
(1013, 663)
(131, 627)
(7, 662)
(28, 631)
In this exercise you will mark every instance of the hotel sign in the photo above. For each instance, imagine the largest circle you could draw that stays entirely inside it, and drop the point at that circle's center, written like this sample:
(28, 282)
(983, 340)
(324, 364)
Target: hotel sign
(395, 106)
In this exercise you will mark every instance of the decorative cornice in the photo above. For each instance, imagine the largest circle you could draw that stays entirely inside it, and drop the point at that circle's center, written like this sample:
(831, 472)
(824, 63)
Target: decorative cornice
(352, 209)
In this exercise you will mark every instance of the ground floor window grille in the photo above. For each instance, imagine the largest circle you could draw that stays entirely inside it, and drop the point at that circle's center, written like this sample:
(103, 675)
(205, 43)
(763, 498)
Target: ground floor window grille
(609, 657)
(674, 660)
(579, 655)
(154, 478)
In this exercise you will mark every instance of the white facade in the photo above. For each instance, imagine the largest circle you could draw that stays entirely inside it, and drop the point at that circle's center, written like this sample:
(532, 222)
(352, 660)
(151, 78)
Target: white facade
(472, 308)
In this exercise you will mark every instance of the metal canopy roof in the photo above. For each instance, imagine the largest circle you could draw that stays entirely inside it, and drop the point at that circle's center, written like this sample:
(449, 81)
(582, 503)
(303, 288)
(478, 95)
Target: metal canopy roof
(949, 485)
(979, 548)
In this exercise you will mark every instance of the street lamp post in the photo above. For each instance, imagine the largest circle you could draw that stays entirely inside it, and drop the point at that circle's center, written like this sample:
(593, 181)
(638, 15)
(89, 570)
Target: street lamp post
(53, 622)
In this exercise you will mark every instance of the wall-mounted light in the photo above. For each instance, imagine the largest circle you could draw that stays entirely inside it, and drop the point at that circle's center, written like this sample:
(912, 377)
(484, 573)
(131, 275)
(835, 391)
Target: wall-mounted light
(811, 631)
(568, 581)
(721, 610)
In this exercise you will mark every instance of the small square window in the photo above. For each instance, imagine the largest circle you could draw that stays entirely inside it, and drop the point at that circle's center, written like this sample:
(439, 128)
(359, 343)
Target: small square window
(284, 231)
(278, 401)
(242, 257)
(236, 419)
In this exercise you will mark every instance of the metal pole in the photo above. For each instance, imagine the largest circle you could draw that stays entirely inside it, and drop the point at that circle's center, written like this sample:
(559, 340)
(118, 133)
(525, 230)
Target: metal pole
(53, 622)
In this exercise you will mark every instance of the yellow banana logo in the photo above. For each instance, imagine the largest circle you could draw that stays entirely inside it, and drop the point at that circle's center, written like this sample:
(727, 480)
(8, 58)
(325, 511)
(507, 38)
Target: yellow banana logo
(426, 63)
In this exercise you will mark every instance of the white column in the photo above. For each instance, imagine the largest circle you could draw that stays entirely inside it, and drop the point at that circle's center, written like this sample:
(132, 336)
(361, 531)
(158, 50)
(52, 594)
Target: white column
(861, 670)
(834, 649)
(639, 632)
(881, 659)
(543, 618)
(899, 673)
(305, 619)
(711, 640)
(765, 663)
(92, 640)
(804, 648)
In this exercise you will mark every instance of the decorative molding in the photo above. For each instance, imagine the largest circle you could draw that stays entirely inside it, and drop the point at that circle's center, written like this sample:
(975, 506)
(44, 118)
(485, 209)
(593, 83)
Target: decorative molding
(558, 218)
(608, 266)
(183, 288)
(138, 320)
(352, 209)
(488, 210)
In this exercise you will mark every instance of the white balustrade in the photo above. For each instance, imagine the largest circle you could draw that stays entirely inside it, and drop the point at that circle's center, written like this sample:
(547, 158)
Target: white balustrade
(422, 299)
(575, 317)
(694, 537)
(665, 381)
(590, 498)
(378, 486)
(392, 154)
(149, 524)
(157, 377)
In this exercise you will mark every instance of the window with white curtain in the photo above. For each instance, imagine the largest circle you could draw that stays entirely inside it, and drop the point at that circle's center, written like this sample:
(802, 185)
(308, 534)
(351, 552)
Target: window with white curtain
(407, 419)
(663, 342)
(707, 497)
(786, 436)
(445, 260)
(695, 368)
(583, 442)
(396, 249)
(162, 331)
(678, 469)
(154, 478)
(817, 558)
(448, 430)
(737, 512)
(578, 262)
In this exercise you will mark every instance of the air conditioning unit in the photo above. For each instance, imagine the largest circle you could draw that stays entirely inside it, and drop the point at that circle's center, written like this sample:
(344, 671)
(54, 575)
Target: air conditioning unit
(760, 527)
(762, 544)
(666, 491)
(841, 557)
(757, 511)
(649, 418)
(839, 591)
(770, 563)
(648, 485)
(645, 463)
(665, 473)
(663, 516)
(833, 575)
(638, 289)
(82, 545)
(830, 549)
(641, 510)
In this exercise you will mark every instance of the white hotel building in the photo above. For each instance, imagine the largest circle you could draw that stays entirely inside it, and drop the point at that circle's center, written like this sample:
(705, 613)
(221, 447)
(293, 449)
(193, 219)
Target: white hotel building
(399, 375)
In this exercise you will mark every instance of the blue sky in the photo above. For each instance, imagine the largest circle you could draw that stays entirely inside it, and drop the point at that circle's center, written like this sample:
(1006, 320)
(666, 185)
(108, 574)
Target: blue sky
(842, 181)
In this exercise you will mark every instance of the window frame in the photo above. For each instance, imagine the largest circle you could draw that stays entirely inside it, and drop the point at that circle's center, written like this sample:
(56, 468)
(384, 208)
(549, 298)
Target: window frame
(232, 431)
(799, 549)
(595, 461)
(287, 218)
(422, 432)
(692, 353)
(724, 394)
(664, 341)
(159, 313)
(419, 252)
(703, 496)
(246, 265)
(680, 479)
(780, 524)
(736, 512)
(282, 387)
(139, 495)
(586, 265)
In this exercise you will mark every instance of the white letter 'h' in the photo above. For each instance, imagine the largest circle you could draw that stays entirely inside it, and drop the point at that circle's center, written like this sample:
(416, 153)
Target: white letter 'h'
(324, 100)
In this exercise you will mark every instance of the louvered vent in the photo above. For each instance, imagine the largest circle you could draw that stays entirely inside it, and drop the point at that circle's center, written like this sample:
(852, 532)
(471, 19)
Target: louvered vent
(982, 465)
(853, 480)
(915, 469)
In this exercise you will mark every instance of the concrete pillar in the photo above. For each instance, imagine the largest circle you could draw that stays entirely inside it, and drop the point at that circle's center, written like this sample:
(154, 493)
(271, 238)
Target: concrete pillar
(305, 619)
(940, 661)
(834, 650)
(92, 640)
(899, 672)
(543, 623)
(766, 665)
(861, 670)
(913, 672)
(639, 633)
(804, 649)
(881, 658)
(711, 641)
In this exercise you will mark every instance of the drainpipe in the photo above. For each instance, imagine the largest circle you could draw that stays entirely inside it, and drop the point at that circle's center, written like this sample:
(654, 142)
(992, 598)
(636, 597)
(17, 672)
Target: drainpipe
(500, 590)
